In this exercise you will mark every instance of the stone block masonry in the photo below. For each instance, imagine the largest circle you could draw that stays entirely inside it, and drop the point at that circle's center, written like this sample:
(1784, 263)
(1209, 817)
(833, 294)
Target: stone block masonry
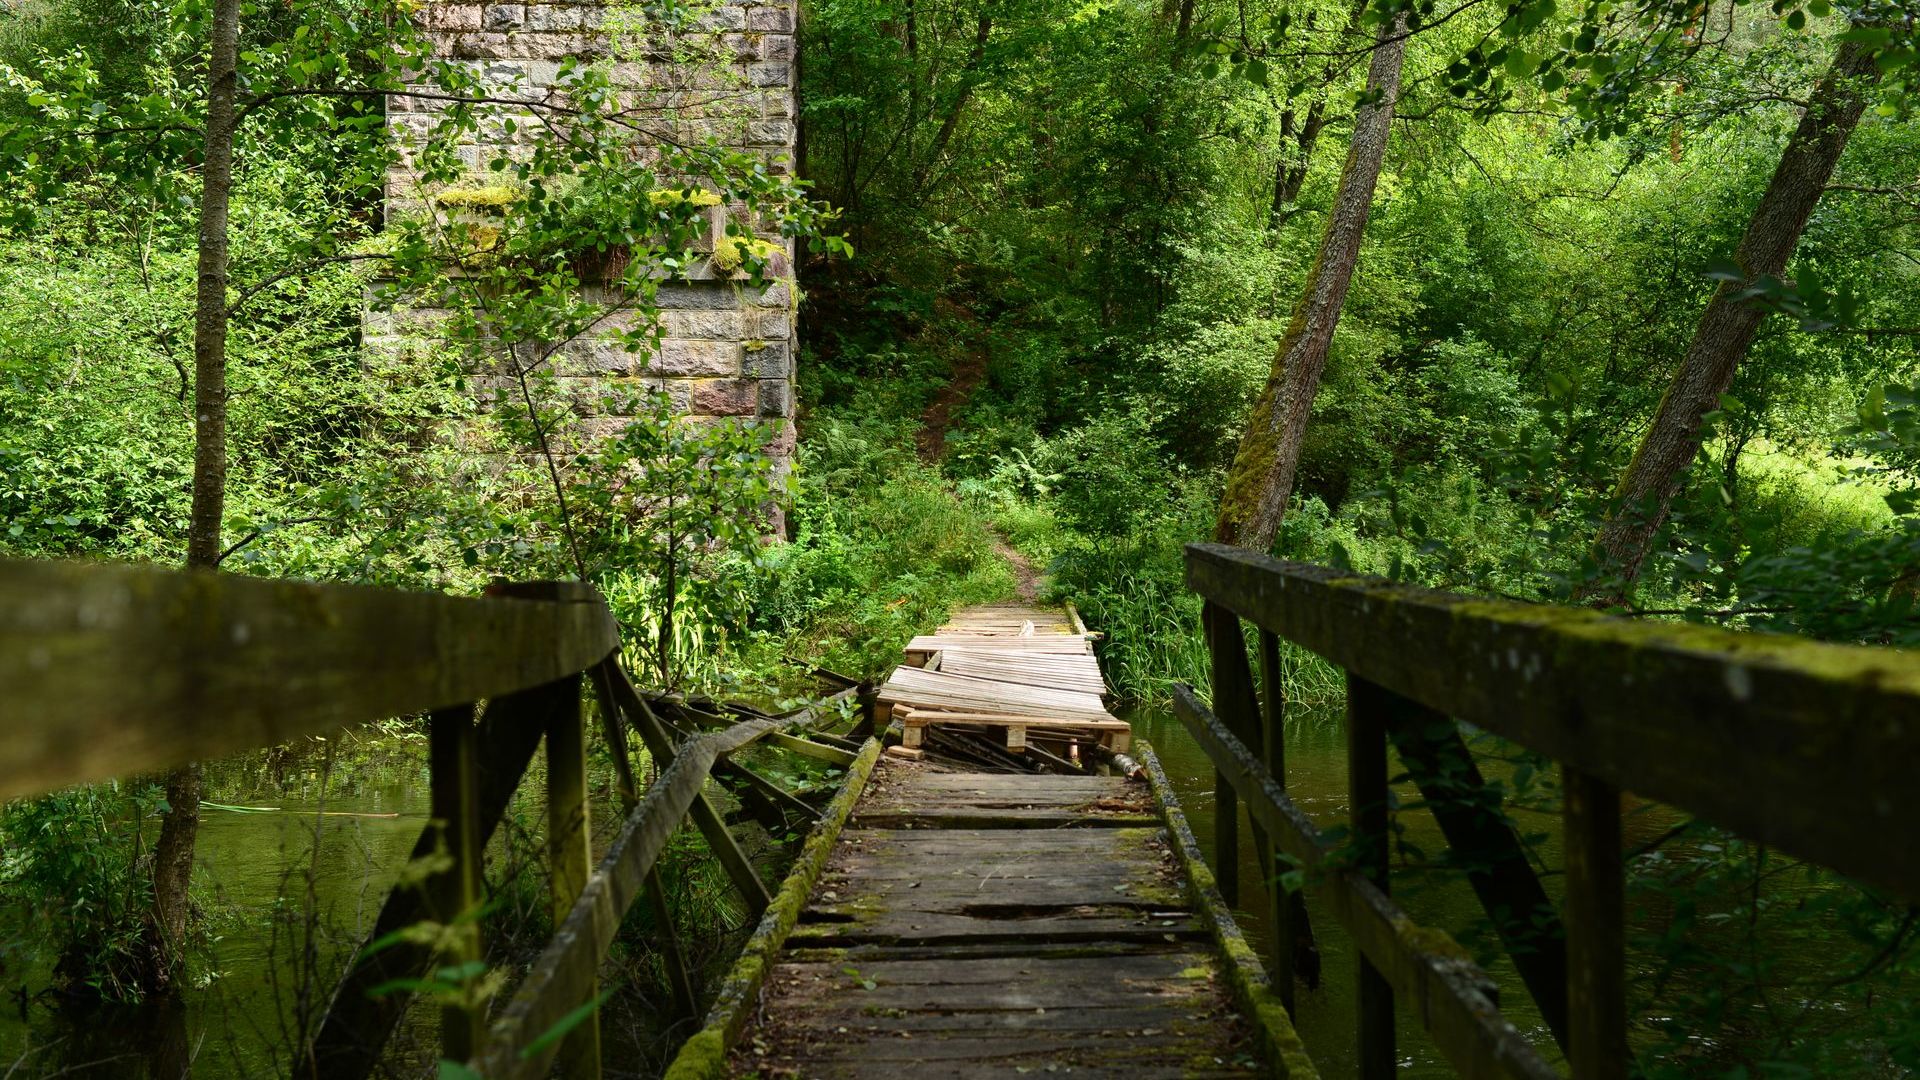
(728, 346)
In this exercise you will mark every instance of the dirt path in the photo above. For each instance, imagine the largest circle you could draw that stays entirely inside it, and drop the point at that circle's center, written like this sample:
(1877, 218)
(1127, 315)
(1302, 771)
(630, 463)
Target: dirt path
(1026, 576)
(967, 371)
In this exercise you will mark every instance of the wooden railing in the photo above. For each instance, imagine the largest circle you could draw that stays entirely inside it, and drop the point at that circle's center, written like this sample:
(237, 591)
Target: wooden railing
(1809, 748)
(107, 671)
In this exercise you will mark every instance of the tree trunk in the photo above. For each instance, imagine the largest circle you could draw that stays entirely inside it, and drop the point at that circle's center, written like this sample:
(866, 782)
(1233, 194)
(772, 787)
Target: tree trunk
(983, 31)
(1727, 326)
(173, 852)
(1290, 173)
(1261, 479)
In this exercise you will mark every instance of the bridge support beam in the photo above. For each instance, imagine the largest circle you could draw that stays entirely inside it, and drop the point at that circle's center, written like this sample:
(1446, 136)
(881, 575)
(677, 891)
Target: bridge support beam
(570, 854)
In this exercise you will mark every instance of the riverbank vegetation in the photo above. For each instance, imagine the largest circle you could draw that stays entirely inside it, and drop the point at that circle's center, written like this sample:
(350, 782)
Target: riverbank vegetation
(1049, 253)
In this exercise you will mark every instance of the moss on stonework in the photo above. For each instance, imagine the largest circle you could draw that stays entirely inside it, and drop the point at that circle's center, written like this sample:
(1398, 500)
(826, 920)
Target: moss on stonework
(732, 252)
(486, 199)
(666, 197)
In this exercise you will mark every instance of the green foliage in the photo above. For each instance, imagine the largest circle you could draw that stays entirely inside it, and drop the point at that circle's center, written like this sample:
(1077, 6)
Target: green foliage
(674, 516)
(882, 550)
(86, 849)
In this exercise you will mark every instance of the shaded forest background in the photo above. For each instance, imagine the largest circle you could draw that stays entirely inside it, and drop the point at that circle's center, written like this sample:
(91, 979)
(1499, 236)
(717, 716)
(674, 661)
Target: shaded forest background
(1078, 231)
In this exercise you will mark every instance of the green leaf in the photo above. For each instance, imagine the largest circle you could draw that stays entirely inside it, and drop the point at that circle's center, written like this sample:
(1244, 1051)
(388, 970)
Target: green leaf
(565, 1024)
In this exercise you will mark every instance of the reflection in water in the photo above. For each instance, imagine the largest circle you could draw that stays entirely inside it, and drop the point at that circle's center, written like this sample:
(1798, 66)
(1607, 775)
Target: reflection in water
(1317, 782)
(239, 1010)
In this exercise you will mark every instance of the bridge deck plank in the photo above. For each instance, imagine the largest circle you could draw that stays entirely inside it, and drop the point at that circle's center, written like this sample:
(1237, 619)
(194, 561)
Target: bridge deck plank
(972, 924)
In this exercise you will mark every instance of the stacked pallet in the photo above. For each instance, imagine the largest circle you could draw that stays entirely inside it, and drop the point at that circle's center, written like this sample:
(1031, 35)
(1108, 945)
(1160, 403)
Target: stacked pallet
(1011, 668)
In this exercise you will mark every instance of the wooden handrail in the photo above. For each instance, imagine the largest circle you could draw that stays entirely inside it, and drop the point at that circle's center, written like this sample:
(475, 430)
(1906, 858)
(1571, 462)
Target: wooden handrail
(561, 979)
(1450, 996)
(1809, 747)
(113, 670)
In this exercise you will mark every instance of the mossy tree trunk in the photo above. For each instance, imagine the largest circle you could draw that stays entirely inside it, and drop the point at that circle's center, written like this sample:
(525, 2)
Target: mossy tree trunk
(173, 852)
(1261, 479)
(1727, 326)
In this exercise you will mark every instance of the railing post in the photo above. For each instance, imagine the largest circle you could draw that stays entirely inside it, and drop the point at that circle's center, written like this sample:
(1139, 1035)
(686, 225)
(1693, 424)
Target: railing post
(569, 852)
(1281, 902)
(1367, 799)
(1596, 945)
(454, 894)
(1227, 651)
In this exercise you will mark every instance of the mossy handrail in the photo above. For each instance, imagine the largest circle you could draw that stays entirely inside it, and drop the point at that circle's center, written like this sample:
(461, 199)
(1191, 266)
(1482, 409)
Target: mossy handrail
(1805, 746)
(112, 670)
(207, 664)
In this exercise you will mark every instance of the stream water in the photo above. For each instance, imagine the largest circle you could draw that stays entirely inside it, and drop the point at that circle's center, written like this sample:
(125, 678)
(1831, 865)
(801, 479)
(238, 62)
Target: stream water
(252, 889)
(1317, 781)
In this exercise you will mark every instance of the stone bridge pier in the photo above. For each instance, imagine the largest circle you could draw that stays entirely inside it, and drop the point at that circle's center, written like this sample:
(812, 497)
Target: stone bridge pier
(728, 75)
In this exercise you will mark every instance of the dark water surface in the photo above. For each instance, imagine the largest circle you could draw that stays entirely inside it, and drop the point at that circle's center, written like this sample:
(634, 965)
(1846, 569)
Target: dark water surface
(255, 873)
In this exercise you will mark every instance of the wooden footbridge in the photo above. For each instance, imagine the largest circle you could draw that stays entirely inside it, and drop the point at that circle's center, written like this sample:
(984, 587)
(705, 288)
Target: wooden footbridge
(973, 918)
(1017, 893)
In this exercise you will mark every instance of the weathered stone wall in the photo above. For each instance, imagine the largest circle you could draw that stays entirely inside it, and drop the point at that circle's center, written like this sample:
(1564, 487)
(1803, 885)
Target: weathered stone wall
(729, 346)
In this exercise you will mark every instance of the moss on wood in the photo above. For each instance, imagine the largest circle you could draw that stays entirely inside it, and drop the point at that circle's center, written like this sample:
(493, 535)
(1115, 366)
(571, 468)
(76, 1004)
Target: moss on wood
(704, 1056)
(1281, 1050)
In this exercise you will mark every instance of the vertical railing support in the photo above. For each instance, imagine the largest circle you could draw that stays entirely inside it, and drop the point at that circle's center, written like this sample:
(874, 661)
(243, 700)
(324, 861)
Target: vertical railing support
(1367, 798)
(1280, 900)
(453, 894)
(569, 853)
(1596, 940)
(1228, 652)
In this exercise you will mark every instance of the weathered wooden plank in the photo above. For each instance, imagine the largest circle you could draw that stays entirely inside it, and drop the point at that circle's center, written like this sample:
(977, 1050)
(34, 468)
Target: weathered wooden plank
(1286, 909)
(1078, 672)
(1232, 686)
(1045, 788)
(1059, 920)
(570, 862)
(926, 714)
(1367, 814)
(967, 817)
(204, 665)
(1693, 716)
(1436, 980)
(915, 686)
(453, 894)
(1596, 941)
(805, 747)
(963, 844)
(929, 644)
